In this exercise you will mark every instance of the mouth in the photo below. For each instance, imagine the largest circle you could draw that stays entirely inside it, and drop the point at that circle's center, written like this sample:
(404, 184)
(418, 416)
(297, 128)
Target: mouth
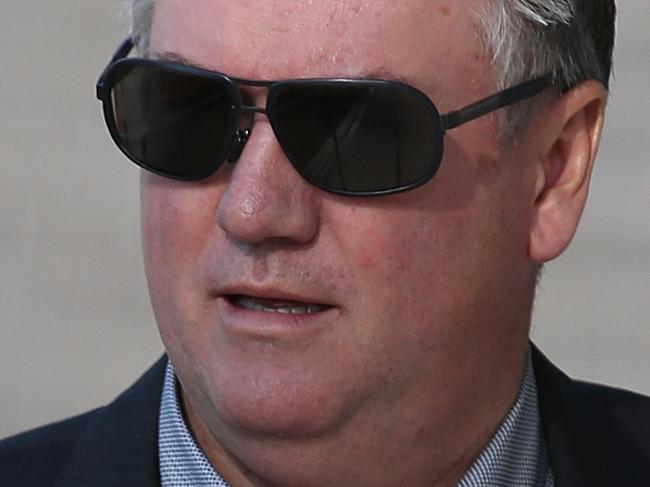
(271, 305)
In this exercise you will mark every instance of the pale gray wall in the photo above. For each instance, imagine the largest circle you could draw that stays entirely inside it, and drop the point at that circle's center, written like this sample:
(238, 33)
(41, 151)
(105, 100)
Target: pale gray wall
(76, 326)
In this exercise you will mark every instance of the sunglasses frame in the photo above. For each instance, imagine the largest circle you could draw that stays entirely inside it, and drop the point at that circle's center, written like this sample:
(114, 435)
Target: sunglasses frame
(441, 123)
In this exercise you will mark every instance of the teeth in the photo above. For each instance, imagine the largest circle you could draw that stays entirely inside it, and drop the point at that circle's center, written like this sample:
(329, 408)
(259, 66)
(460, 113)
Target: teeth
(283, 308)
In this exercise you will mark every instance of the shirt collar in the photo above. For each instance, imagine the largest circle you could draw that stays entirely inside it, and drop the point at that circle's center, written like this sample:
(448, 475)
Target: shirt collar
(182, 463)
(516, 455)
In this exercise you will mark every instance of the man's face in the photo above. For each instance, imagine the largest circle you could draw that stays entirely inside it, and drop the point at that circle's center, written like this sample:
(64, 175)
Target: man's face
(413, 297)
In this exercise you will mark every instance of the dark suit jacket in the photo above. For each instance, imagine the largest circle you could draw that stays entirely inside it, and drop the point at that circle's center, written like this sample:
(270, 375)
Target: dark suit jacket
(595, 435)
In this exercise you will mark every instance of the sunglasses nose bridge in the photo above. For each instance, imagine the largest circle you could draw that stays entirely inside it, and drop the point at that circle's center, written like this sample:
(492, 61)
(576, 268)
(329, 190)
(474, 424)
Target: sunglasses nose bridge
(254, 109)
(244, 132)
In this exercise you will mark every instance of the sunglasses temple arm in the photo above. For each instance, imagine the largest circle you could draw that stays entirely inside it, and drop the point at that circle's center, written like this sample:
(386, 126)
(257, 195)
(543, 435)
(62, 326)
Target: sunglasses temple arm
(123, 50)
(121, 53)
(502, 99)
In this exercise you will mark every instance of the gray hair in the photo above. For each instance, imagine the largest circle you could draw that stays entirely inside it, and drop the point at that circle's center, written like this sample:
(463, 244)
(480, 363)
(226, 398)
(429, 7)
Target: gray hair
(571, 39)
(138, 15)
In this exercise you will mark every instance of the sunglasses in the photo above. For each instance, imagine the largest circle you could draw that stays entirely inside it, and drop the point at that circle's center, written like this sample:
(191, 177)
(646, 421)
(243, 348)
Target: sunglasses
(358, 137)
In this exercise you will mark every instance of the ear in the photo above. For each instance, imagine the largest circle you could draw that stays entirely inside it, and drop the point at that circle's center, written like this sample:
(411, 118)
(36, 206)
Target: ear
(569, 143)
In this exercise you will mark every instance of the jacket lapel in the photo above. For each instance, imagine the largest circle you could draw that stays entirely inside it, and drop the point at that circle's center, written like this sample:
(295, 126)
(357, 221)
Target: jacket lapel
(120, 445)
(587, 445)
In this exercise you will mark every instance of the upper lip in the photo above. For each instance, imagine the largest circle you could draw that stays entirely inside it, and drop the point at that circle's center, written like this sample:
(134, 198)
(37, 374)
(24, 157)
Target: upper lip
(273, 293)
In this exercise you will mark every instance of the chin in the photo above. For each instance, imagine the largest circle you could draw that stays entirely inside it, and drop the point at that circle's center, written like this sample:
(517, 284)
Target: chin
(278, 405)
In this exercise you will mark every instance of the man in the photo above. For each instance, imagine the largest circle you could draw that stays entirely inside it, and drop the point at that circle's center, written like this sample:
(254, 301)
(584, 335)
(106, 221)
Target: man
(343, 272)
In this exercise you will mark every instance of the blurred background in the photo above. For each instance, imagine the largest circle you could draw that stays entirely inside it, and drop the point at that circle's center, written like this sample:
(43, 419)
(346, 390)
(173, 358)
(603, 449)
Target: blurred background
(75, 322)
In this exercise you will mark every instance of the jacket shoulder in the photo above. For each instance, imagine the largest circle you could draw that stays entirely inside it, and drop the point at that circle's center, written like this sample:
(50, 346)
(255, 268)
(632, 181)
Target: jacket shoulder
(595, 435)
(31, 457)
(109, 446)
(630, 410)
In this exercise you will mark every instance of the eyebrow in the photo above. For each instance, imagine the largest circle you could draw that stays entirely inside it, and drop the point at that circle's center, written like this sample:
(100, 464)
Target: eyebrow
(378, 74)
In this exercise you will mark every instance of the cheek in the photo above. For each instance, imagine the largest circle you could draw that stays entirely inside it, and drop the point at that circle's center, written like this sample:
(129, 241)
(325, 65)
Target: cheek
(397, 267)
(422, 274)
(378, 251)
(177, 219)
(405, 311)
(177, 222)
(405, 253)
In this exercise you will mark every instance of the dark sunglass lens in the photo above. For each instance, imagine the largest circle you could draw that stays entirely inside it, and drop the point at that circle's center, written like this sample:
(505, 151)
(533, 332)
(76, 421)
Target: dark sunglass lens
(353, 137)
(172, 122)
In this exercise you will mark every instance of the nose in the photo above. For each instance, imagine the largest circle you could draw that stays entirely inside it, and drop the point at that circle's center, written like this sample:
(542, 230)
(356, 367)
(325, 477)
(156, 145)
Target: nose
(265, 198)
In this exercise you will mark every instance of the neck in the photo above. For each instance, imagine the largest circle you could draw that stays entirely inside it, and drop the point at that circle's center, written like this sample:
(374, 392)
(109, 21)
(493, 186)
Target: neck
(397, 445)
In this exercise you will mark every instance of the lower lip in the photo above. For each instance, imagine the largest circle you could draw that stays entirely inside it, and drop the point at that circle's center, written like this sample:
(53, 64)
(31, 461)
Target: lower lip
(269, 323)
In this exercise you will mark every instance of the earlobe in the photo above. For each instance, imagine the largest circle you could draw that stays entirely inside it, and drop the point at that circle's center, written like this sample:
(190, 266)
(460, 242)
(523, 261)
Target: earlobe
(564, 169)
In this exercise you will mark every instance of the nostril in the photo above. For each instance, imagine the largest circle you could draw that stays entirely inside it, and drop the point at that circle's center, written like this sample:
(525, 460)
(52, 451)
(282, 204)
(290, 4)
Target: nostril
(238, 144)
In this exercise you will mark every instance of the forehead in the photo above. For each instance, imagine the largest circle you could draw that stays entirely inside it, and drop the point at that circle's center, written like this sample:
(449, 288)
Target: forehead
(278, 39)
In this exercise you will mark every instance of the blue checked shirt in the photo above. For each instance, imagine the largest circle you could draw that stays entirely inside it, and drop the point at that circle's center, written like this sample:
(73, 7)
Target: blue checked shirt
(516, 455)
